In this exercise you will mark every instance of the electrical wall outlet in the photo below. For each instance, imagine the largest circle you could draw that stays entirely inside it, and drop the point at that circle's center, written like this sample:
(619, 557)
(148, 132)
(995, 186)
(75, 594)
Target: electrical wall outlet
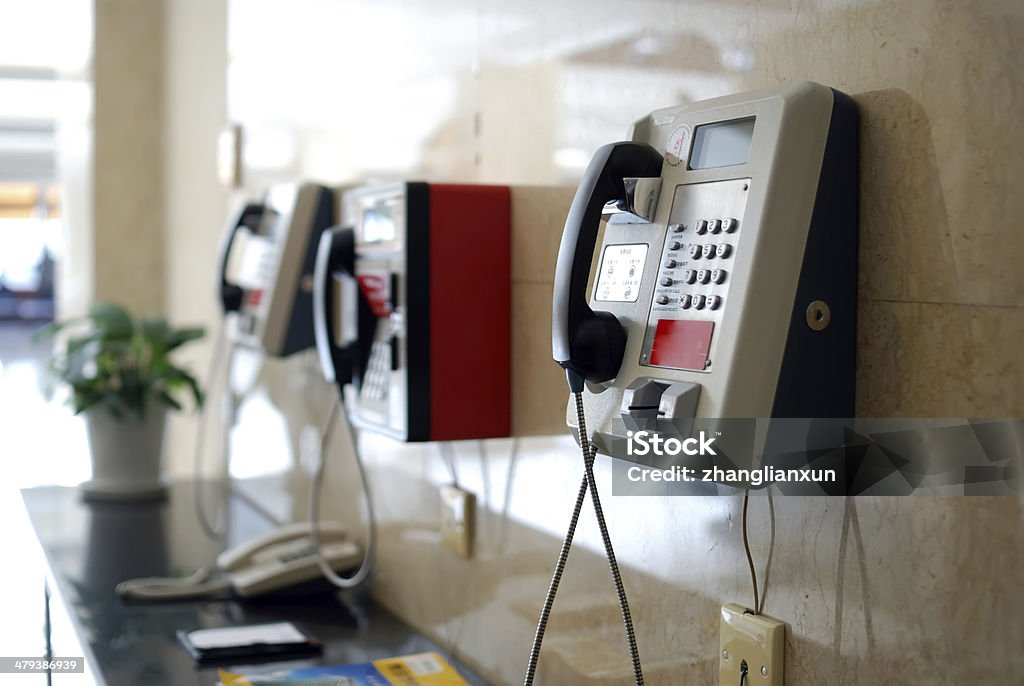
(458, 519)
(754, 643)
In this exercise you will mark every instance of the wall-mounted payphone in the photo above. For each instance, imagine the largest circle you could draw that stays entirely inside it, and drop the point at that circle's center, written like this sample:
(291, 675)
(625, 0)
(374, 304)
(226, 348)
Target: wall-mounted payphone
(266, 267)
(414, 308)
(723, 283)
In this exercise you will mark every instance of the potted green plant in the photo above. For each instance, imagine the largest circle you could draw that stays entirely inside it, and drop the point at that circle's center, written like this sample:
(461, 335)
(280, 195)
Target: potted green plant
(122, 380)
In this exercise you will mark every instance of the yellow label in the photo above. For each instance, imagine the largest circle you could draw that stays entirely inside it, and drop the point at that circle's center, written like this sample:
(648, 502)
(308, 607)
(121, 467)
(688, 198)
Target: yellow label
(423, 669)
(230, 679)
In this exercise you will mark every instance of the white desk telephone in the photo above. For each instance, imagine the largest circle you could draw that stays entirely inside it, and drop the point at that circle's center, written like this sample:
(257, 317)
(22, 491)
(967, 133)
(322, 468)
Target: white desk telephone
(279, 559)
(285, 557)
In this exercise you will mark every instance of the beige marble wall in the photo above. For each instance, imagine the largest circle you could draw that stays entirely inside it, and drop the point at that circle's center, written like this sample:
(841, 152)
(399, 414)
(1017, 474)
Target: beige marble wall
(874, 590)
(196, 205)
(128, 124)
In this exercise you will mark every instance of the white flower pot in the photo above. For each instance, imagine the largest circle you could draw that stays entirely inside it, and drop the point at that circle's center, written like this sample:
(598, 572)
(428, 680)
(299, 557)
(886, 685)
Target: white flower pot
(126, 455)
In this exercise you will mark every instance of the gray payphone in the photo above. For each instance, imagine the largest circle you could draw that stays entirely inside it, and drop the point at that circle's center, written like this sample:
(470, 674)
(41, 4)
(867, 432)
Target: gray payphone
(725, 275)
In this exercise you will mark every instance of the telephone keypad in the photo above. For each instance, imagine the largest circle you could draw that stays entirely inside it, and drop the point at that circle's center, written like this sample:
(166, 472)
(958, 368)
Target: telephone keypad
(696, 251)
(701, 241)
(378, 367)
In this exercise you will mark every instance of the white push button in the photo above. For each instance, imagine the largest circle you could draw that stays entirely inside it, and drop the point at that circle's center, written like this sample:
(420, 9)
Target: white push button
(723, 250)
(713, 302)
(703, 275)
(662, 300)
(708, 251)
(674, 245)
(666, 281)
(698, 302)
(684, 301)
(670, 264)
(701, 227)
(676, 228)
(715, 226)
(695, 251)
(717, 275)
(729, 225)
(689, 276)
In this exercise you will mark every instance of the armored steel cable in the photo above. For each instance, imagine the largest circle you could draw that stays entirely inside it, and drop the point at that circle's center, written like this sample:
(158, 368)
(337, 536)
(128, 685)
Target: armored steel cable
(589, 483)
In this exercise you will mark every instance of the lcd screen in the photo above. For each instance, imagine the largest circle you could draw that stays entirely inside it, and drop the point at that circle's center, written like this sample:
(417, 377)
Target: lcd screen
(622, 268)
(722, 144)
(378, 225)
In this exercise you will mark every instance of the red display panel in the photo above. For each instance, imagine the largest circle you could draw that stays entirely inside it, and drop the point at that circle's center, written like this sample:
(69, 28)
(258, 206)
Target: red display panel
(377, 293)
(682, 343)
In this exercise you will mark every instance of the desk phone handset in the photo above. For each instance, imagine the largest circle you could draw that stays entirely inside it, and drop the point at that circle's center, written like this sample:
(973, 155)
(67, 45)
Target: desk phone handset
(275, 561)
(269, 292)
(285, 557)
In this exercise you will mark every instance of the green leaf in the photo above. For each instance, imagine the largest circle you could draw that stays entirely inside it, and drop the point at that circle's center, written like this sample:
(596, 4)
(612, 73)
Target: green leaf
(155, 332)
(122, 364)
(166, 397)
(179, 337)
(112, 321)
(193, 385)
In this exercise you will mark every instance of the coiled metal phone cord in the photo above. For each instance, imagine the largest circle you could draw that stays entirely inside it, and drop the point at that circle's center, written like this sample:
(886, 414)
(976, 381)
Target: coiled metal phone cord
(589, 453)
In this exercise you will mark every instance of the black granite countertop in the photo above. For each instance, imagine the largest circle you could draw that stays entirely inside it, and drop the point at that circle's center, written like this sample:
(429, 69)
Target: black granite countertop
(90, 547)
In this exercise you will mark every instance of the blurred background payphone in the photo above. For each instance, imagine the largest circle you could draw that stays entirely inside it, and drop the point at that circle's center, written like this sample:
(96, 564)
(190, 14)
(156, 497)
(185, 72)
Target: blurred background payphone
(418, 286)
(267, 267)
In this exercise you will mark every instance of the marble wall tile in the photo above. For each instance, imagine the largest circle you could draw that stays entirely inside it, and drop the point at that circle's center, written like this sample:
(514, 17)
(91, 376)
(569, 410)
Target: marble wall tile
(538, 384)
(538, 215)
(939, 360)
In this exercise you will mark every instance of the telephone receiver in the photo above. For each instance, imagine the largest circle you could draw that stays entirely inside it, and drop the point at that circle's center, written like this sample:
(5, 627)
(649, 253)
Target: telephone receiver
(589, 344)
(286, 557)
(247, 217)
(342, 360)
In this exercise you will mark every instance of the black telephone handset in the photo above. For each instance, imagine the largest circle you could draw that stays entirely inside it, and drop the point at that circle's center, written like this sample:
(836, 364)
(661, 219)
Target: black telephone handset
(342, 361)
(589, 345)
(249, 217)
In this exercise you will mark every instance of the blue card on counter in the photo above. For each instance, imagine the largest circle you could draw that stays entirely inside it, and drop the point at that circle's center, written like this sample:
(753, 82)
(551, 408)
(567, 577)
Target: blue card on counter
(252, 642)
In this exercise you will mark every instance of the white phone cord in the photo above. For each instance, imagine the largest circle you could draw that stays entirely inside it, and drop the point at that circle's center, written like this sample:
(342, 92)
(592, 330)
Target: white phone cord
(314, 506)
(197, 585)
(214, 530)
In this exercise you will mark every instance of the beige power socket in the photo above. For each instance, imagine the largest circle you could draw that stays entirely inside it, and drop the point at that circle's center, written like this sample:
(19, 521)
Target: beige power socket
(458, 519)
(751, 643)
